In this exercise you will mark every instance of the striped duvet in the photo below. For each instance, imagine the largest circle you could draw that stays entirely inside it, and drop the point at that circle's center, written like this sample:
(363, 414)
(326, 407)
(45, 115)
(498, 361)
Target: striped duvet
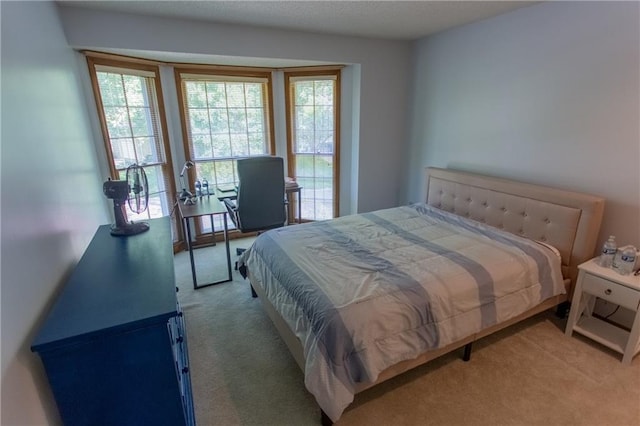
(364, 292)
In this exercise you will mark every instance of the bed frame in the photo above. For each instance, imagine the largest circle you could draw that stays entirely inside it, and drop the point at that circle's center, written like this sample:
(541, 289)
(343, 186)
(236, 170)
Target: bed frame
(569, 221)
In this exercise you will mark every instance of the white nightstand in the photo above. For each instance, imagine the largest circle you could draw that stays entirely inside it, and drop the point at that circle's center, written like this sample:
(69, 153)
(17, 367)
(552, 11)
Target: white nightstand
(605, 283)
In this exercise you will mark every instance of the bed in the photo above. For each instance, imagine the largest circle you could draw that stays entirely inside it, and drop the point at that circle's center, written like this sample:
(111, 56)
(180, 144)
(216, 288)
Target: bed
(362, 298)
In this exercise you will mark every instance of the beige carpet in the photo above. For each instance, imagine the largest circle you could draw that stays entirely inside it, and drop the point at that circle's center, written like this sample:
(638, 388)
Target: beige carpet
(529, 374)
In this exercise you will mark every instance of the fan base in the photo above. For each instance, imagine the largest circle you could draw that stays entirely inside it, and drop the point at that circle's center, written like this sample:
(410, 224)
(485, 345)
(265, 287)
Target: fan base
(129, 229)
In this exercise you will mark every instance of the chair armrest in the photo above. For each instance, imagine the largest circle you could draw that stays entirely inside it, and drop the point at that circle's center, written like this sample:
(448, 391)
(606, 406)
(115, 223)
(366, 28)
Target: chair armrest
(231, 209)
(229, 203)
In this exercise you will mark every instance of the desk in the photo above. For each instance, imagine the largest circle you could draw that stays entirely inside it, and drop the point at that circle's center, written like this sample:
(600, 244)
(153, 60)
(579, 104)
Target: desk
(204, 206)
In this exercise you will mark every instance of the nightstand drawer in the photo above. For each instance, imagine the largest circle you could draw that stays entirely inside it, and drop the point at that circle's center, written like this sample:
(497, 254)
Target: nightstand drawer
(611, 291)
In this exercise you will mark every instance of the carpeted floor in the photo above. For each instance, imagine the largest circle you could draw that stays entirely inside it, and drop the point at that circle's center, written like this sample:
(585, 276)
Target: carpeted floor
(529, 374)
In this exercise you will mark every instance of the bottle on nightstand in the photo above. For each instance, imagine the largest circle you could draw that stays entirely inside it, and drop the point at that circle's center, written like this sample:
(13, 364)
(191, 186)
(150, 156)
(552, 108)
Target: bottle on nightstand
(628, 260)
(608, 252)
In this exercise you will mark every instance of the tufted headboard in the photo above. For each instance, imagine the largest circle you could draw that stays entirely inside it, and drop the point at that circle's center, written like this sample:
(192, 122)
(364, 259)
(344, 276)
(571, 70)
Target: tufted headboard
(569, 221)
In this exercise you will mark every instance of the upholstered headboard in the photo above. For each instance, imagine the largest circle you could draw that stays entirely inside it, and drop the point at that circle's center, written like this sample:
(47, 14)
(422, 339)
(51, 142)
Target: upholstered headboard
(569, 221)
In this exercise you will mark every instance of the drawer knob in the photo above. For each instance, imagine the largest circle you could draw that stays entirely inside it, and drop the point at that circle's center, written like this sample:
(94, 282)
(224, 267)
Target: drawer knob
(607, 291)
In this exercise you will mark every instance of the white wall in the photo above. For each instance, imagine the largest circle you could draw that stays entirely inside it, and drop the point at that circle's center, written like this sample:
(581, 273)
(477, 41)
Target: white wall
(547, 94)
(52, 200)
(383, 88)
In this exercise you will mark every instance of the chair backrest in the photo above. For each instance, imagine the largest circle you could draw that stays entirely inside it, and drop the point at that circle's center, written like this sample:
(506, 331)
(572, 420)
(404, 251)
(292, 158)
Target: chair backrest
(261, 199)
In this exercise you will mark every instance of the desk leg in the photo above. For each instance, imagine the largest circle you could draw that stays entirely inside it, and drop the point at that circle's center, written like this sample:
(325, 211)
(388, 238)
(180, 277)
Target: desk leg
(213, 231)
(287, 196)
(190, 248)
(226, 243)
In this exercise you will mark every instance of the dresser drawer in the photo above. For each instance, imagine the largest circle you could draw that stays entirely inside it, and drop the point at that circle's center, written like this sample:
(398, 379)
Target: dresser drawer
(611, 291)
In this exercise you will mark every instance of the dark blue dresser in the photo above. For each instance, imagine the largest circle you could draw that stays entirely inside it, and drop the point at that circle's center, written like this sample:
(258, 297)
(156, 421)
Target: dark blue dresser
(114, 344)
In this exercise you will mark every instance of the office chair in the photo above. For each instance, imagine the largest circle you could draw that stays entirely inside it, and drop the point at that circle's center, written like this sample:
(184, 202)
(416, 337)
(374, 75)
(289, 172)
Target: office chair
(260, 204)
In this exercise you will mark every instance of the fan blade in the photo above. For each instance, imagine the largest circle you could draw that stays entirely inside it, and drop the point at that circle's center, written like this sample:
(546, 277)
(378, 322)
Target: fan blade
(139, 185)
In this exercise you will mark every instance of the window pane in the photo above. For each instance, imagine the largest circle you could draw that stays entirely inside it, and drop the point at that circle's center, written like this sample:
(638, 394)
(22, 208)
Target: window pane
(202, 147)
(219, 120)
(304, 142)
(123, 152)
(324, 93)
(155, 179)
(253, 93)
(304, 118)
(145, 150)
(117, 122)
(216, 95)
(256, 144)
(204, 170)
(304, 93)
(158, 205)
(134, 87)
(140, 121)
(199, 121)
(239, 145)
(324, 142)
(237, 120)
(324, 118)
(196, 94)
(254, 120)
(225, 172)
(111, 89)
(235, 95)
(313, 145)
(324, 168)
(221, 146)
(304, 167)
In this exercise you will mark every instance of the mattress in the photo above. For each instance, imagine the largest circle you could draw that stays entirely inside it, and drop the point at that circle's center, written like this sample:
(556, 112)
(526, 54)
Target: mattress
(365, 292)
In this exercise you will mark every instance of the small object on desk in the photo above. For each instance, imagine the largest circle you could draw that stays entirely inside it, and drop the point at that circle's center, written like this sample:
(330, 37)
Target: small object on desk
(226, 188)
(198, 188)
(290, 183)
(205, 186)
(184, 194)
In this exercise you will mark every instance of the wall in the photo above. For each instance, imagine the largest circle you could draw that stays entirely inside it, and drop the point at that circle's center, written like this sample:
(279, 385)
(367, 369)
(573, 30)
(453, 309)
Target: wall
(383, 88)
(52, 199)
(547, 94)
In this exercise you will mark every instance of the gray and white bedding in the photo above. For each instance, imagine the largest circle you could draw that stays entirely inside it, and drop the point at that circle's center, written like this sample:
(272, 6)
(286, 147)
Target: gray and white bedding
(365, 292)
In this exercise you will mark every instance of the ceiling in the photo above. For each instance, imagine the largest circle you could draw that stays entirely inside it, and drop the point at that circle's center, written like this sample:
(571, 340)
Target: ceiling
(393, 20)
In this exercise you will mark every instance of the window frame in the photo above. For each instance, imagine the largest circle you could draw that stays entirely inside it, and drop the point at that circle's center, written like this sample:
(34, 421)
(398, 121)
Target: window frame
(98, 60)
(290, 111)
(219, 72)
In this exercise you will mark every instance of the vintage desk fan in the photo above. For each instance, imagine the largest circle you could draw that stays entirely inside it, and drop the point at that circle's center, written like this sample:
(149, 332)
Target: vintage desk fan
(134, 191)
